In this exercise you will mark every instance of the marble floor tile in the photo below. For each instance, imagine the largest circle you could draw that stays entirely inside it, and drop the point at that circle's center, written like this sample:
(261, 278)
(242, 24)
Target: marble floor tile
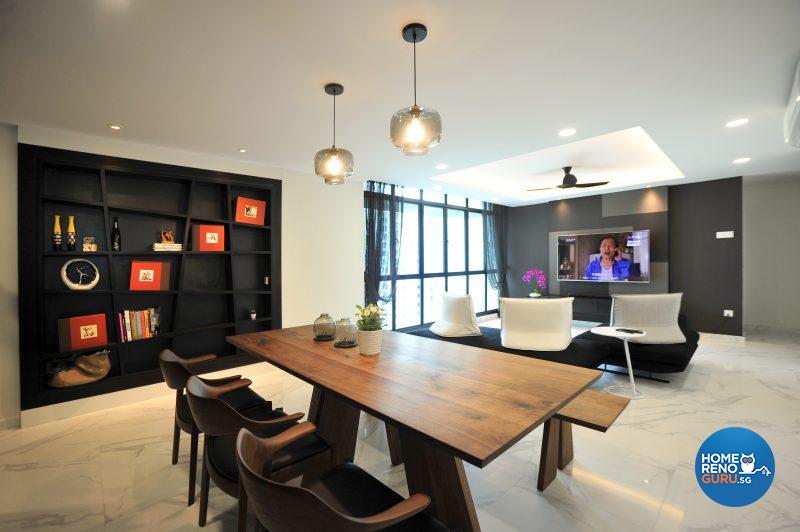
(111, 470)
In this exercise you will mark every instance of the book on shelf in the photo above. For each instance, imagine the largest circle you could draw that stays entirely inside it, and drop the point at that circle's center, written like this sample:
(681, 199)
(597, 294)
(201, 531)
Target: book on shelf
(139, 324)
(167, 247)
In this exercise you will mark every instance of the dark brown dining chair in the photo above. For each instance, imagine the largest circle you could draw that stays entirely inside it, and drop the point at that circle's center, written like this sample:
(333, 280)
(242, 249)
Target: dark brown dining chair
(344, 499)
(220, 423)
(176, 372)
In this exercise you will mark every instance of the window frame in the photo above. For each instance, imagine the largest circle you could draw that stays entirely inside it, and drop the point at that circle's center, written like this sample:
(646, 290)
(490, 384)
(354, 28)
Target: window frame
(446, 274)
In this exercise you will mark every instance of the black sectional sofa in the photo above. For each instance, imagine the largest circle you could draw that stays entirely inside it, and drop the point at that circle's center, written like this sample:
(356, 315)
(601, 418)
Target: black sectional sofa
(581, 352)
(589, 350)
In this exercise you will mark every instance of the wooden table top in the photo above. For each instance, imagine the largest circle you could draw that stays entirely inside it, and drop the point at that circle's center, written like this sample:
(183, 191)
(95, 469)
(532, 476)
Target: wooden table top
(475, 402)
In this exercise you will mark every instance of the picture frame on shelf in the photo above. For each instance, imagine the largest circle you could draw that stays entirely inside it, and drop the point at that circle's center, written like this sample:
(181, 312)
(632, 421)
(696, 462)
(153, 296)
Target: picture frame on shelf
(82, 332)
(250, 211)
(207, 237)
(149, 275)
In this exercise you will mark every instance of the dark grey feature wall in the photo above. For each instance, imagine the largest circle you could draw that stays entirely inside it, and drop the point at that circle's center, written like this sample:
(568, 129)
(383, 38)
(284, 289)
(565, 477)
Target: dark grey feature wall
(706, 269)
(529, 230)
(683, 242)
(527, 241)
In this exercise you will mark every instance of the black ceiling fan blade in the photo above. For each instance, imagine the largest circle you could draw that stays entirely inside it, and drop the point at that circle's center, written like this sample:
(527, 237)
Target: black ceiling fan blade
(587, 185)
(538, 189)
(566, 185)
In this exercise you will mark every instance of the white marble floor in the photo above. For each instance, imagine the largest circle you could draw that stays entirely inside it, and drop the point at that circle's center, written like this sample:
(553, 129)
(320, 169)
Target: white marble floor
(111, 470)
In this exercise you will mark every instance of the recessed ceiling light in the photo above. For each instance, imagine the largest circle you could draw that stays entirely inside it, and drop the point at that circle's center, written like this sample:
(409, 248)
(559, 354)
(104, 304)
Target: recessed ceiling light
(242, 150)
(441, 166)
(115, 127)
(437, 187)
(737, 122)
(797, 99)
(741, 160)
(567, 132)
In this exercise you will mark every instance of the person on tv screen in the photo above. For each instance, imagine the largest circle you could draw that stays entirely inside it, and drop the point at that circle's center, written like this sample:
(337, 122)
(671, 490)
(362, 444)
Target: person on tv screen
(611, 265)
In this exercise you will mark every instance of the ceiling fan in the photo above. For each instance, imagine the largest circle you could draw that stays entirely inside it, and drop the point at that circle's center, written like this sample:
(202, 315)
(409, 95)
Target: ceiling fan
(570, 181)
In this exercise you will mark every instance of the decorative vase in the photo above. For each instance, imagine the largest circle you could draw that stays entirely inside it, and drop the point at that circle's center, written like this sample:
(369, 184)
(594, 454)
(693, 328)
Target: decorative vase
(57, 233)
(71, 240)
(345, 335)
(253, 314)
(324, 328)
(369, 342)
(535, 293)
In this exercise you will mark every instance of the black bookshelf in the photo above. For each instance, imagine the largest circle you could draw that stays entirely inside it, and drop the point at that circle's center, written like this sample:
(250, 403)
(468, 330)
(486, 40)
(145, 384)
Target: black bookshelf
(209, 295)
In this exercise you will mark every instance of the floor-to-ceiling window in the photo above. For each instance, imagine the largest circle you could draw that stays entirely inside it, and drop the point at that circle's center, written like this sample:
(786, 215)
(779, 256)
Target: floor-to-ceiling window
(441, 249)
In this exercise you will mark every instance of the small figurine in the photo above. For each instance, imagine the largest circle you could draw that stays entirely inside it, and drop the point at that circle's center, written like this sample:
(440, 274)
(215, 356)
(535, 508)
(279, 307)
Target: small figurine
(168, 237)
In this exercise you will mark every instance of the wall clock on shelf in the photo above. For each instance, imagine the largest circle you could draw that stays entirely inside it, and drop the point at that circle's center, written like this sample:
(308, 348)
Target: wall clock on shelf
(80, 274)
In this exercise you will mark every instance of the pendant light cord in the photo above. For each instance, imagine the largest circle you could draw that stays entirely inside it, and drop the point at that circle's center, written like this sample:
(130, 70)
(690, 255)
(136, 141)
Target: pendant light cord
(415, 68)
(334, 119)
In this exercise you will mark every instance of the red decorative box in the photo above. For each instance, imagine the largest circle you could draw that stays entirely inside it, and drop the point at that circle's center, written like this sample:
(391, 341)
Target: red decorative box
(147, 275)
(82, 332)
(208, 237)
(250, 211)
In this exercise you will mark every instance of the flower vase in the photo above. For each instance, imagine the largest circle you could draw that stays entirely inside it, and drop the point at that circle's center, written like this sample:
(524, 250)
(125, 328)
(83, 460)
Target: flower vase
(535, 293)
(369, 342)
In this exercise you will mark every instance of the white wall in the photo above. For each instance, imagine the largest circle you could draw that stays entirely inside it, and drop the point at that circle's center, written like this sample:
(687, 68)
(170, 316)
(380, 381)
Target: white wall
(322, 234)
(771, 251)
(323, 248)
(9, 330)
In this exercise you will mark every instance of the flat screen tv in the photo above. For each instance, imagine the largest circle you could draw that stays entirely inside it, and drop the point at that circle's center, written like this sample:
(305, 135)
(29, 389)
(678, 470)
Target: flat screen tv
(605, 257)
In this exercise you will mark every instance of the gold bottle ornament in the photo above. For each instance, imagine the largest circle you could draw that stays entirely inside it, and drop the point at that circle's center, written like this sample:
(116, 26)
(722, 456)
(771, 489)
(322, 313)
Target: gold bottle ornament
(57, 233)
(71, 240)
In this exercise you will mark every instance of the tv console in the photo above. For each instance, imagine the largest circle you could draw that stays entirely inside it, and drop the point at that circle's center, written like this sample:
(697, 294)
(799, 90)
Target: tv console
(591, 307)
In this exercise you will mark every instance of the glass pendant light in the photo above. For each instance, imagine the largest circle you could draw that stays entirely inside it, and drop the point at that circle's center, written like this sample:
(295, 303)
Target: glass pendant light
(333, 164)
(415, 129)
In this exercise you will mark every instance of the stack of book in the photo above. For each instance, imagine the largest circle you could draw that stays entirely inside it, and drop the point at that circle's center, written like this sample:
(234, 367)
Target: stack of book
(158, 246)
(139, 324)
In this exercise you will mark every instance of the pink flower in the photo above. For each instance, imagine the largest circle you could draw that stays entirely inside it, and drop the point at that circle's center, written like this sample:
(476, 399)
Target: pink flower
(541, 279)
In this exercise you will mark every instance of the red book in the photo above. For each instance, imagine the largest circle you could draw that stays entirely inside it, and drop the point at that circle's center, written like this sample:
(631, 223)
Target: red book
(121, 327)
(146, 275)
(250, 211)
(82, 332)
(208, 237)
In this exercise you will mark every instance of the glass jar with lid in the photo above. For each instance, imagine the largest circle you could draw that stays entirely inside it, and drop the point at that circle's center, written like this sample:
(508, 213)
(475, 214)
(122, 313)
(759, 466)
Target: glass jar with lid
(324, 328)
(346, 333)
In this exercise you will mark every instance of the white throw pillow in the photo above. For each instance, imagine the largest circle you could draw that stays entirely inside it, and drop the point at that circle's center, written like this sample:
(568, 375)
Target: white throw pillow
(536, 324)
(655, 314)
(457, 317)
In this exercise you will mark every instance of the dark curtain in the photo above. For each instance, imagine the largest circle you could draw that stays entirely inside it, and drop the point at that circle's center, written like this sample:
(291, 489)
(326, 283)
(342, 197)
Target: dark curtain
(383, 209)
(494, 246)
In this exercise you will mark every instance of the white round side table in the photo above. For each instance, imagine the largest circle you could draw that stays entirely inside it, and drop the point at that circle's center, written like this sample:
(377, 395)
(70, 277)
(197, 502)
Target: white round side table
(622, 390)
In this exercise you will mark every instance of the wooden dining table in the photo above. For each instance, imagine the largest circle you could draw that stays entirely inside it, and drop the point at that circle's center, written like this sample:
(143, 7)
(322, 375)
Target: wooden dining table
(448, 402)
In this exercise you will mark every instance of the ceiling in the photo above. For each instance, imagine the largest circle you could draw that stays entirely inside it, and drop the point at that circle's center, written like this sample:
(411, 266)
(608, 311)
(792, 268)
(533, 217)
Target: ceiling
(506, 76)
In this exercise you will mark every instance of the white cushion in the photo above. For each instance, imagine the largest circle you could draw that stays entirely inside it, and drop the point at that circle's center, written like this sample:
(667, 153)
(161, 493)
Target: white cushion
(457, 317)
(536, 324)
(655, 314)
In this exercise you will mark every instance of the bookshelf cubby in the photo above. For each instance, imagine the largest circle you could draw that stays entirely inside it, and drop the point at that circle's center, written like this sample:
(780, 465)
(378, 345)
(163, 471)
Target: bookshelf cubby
(210, 294)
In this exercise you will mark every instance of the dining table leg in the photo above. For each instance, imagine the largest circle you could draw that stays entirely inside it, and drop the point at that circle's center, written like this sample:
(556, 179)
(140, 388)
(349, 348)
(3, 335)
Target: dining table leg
(549, 458)
(337, 424)
(437, 473)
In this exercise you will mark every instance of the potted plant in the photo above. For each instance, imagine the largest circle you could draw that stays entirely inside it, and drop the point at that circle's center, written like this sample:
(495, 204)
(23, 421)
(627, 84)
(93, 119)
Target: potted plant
(369, 321)
(537, 279)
